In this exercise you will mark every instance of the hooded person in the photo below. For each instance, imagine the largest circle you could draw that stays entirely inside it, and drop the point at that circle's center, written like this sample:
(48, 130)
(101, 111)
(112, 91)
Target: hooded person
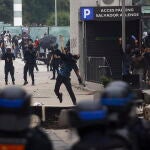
(30, 62)
(68, 64)
(16, 128)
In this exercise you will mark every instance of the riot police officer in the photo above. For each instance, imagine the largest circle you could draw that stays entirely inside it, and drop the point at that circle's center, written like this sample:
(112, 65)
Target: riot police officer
(16, 128)
(9, 68)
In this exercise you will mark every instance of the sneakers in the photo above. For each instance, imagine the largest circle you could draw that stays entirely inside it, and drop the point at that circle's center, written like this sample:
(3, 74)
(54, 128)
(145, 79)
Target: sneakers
(33, 83)
(25, 83)
(13, 82)
(75, 103)
(60, 97)
(52, 78)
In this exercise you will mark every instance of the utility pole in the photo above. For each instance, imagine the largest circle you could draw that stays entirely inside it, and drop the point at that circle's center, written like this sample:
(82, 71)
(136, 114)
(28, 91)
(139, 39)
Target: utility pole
(17, 8)
(56, 13)
(123, 26)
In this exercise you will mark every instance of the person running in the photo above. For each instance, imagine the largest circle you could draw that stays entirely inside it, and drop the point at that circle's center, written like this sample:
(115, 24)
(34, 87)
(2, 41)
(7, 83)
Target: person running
(69, 64)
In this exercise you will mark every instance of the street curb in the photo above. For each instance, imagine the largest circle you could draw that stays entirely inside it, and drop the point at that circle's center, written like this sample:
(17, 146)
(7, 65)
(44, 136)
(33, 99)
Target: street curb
(49, 115)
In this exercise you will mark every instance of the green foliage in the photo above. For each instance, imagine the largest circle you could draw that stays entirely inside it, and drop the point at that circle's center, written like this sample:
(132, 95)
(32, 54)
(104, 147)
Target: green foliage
(62, 17)
(36, 11)
(42, 11)
(6, 11)
(105, 80)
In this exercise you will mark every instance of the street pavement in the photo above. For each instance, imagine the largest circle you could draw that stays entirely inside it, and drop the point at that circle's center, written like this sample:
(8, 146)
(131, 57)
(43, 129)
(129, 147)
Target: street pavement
(43, 93)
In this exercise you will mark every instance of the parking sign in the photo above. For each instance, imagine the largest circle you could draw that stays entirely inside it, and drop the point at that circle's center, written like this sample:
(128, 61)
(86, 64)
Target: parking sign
(87, 13)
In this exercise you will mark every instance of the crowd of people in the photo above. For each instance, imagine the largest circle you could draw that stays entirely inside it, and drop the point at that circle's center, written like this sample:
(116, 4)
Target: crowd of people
(108, 123)
(58, 61)
(136, 60)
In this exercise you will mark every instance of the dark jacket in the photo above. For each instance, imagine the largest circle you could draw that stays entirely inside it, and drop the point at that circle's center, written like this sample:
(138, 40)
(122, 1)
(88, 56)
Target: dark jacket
(30, 57)
(34, 139)
(8, 57)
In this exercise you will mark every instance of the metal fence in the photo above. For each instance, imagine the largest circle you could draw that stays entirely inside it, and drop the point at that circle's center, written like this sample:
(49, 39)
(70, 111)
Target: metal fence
(39, 31)
(96, 68)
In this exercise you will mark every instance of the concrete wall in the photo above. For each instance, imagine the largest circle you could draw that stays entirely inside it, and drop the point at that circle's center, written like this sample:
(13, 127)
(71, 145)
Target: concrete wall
(76, 30)
(74, 21)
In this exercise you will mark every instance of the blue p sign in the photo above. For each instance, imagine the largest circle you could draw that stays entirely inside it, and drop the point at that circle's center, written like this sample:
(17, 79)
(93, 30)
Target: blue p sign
(87, 13)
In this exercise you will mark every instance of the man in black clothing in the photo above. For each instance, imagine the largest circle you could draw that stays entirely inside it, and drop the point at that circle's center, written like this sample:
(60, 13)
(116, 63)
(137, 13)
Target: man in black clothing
(9, 57)
(49, 65)
(2, 44)
(69, 63)
(55, 61)
(147, 41)
(30, 60)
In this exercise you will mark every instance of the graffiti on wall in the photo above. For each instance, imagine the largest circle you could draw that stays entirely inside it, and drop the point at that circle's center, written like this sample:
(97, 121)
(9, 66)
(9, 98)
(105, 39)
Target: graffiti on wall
(73, 43)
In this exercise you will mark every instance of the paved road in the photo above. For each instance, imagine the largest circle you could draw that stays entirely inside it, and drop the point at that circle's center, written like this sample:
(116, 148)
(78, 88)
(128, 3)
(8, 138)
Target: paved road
(43, 92)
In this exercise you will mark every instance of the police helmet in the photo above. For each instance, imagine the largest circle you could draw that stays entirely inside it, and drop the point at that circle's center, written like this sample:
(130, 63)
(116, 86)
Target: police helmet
(119, 100)
(87, 114)
(14, 109)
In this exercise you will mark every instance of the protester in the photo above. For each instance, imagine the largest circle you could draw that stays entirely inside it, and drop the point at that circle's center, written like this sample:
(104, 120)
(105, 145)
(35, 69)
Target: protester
(147, 63)
(16, 45)
(49, 64)
(30, 60)
(9, 68)
(35, 49)
(147, 41)
(126, 60)
(138, 65)
(68, 64)
(2, 44)
(55, 61)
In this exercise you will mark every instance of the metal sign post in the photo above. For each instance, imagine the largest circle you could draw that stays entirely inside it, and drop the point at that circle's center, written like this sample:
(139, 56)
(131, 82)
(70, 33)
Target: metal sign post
(55, 12)
(123, 26)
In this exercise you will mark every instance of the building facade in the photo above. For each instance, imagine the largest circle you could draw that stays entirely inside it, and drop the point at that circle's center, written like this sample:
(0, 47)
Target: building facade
(78, 35)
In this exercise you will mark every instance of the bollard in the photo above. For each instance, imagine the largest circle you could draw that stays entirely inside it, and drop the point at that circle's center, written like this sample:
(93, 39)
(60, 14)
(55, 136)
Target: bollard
(146, 112)
(43, 113)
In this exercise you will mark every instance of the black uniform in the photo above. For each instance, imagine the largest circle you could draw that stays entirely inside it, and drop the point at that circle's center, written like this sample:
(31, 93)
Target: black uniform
(2, 45)
(15, 128)
(64, 76)
(49, 65)
(30, 60)
(55, 62)
(9, 57)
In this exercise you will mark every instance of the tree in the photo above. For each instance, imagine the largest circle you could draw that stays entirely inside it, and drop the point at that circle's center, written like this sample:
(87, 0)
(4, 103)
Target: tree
(36, 11)
(42, 11)
(6, 11)
(62, 17)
